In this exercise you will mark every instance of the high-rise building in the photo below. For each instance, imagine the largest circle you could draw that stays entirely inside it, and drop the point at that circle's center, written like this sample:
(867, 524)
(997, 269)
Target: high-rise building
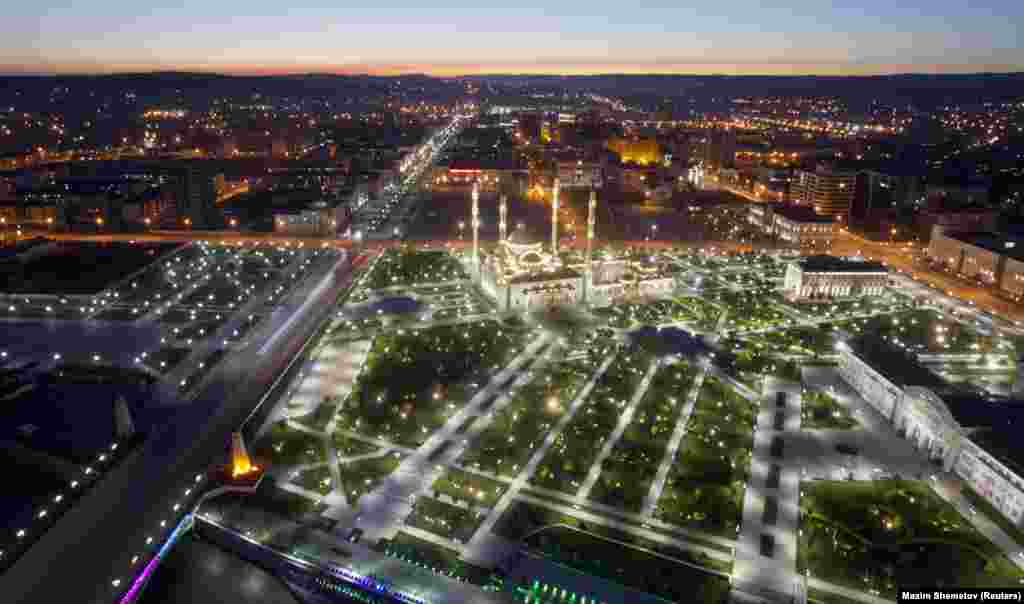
(196, 197)
(829, 192)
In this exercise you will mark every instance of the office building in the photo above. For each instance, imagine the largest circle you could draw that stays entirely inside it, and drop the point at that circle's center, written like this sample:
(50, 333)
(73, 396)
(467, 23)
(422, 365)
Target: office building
(196, 197)
(827, 192)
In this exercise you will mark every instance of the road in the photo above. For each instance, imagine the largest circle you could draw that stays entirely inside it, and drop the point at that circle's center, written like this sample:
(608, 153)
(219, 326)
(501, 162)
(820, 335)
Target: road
(96, 540)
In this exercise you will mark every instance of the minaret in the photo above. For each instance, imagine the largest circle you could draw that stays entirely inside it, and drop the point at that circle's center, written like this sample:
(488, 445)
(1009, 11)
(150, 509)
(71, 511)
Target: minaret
(588, 279)
(476, 228)
(502, 214)
(554, 219)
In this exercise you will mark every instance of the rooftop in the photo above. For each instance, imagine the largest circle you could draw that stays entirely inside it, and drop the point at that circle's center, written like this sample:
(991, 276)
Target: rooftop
(896, 365)
(1002, 441)
(835, 264)
(564, 273)
(1005, 245)
(802, 214)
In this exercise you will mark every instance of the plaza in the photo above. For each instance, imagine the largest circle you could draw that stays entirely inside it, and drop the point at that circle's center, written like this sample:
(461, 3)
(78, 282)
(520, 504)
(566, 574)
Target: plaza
(494, 438)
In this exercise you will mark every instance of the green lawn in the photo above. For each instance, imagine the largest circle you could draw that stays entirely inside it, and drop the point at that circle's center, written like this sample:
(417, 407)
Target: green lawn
(567, 462)
(285, 446)
(889, 534)
(809, 341)
(360, 477)
(630, 468)
(749, 310)
(929, 332)
(321, 416)
(402, 267)
(449, 521)
(520, 427)
(350, 447)
(433, 364)
(705, 486)
(469, 487)
(316, 479)
(819, 411)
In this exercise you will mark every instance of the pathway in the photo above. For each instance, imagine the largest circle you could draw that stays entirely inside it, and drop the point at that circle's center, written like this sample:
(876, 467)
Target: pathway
(680, 429)
(624, 420)
(476, 548)
(771, 573)
(386, 505)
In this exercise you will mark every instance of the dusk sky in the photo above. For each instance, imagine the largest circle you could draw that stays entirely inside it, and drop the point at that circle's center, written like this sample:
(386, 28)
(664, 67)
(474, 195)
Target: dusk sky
(571, 36)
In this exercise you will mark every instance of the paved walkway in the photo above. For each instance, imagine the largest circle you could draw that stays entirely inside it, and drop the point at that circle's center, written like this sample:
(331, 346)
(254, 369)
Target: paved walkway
(624, 421)
(754, 571)
(478, 550)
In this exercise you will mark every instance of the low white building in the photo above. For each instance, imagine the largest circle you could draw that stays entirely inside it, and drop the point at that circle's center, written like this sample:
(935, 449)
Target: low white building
(829, 277)
(969, 435)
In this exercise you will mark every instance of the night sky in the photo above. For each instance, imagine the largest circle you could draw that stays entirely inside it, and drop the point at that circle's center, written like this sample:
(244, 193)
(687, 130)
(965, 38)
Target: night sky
(571, 36)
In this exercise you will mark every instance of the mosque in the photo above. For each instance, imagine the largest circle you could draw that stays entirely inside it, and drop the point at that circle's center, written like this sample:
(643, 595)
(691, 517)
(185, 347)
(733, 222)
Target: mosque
(521, 275)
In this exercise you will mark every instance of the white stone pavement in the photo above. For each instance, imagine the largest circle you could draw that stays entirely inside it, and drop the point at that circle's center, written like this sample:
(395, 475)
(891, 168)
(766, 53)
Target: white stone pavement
(771, 575)
(477, 550)
(624, 421)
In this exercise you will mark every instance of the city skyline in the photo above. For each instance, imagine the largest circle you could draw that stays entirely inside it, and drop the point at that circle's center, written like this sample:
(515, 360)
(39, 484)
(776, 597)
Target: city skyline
(572, 38)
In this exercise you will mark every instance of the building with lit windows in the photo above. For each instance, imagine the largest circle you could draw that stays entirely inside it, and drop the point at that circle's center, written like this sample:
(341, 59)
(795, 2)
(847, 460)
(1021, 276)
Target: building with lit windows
(580, 174)
(316, 219)
(643, 151)
(798, 226)
(829, 277)
(493, 176)
(520, 274)
(828, 192)
(969, 435)
(989, 258)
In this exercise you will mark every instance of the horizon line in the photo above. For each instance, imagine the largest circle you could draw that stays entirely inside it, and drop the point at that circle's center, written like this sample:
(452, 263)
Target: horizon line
(466, 71)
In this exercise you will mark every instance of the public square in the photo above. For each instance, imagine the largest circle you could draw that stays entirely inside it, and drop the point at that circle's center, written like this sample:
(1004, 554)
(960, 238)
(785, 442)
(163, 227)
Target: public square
(483, 439)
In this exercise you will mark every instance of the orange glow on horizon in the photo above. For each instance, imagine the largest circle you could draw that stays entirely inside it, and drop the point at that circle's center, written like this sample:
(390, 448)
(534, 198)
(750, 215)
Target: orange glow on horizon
(568, 68)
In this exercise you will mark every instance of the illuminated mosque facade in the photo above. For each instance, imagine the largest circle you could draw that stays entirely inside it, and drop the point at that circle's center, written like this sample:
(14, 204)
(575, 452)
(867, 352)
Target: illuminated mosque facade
(520, 274)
